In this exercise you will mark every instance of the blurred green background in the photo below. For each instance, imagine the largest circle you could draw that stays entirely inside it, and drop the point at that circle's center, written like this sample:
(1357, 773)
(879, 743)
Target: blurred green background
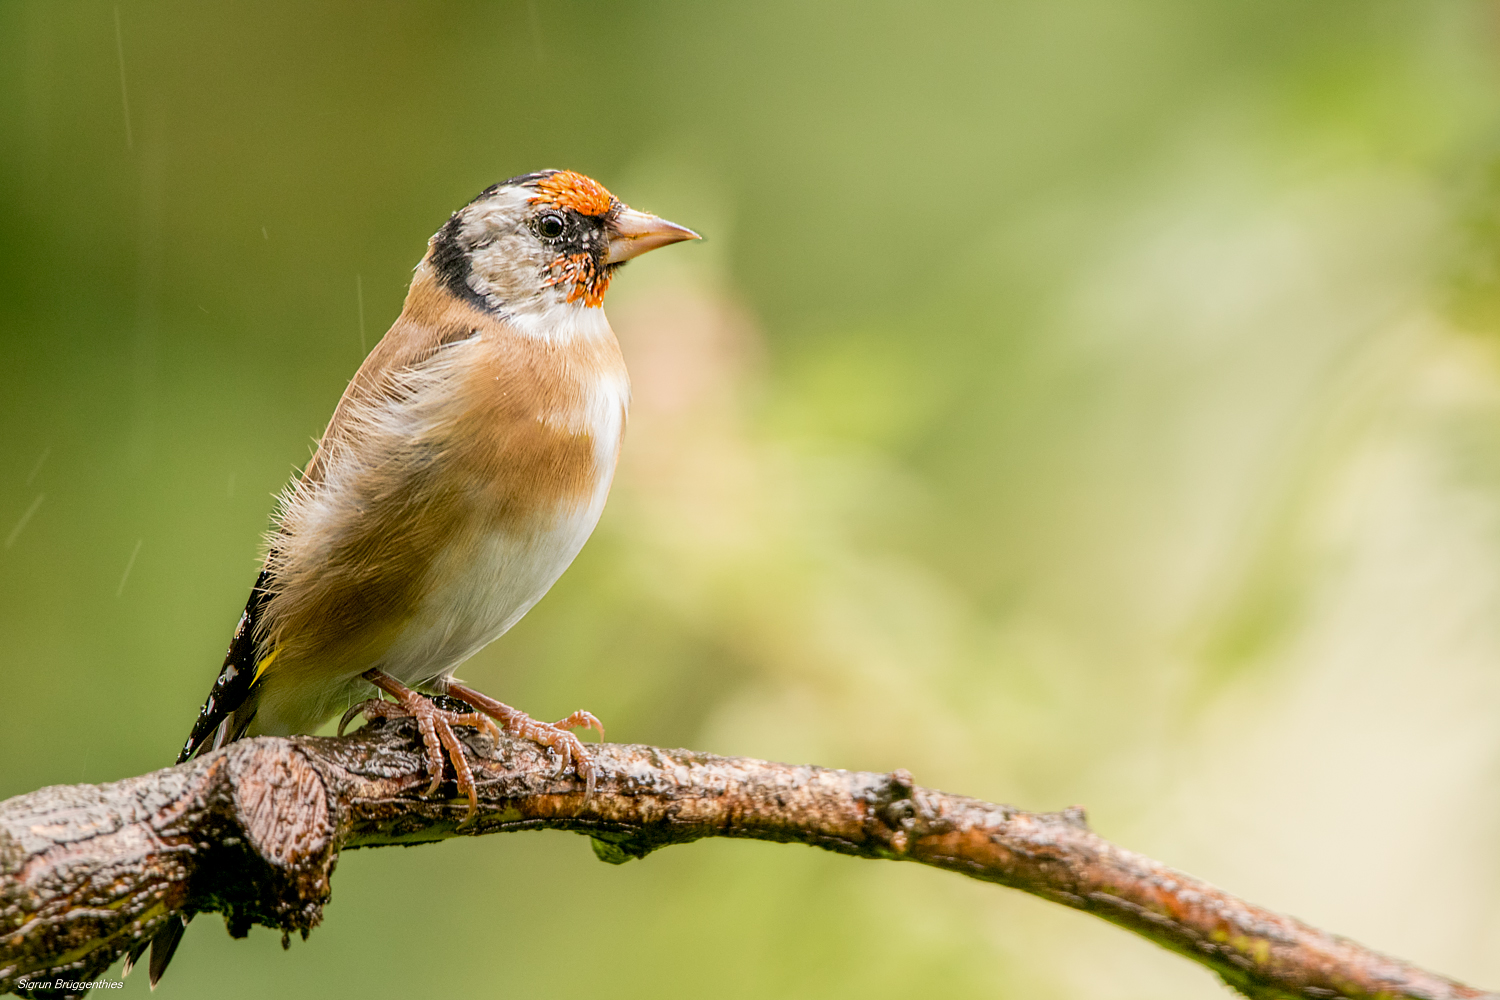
(1074, 402)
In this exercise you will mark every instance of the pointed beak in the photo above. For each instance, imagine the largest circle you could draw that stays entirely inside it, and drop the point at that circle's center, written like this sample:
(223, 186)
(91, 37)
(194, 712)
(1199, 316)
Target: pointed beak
(632, 233)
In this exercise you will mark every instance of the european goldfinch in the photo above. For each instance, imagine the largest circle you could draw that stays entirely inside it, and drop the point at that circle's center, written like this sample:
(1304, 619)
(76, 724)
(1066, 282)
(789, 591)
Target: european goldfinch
(465, 466)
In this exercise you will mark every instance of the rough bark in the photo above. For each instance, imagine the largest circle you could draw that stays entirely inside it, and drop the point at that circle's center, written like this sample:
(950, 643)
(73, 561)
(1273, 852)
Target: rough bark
(253, 831)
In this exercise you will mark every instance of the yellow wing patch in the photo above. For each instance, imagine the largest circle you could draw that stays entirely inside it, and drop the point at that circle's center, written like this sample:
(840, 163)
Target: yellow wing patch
(260, 667)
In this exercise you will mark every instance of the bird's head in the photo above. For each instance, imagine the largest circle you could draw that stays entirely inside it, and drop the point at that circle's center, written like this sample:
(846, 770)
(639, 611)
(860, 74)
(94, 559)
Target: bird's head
(542, 240)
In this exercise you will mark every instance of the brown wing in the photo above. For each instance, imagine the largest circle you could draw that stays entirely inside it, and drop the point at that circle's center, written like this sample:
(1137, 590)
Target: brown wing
(430, 319)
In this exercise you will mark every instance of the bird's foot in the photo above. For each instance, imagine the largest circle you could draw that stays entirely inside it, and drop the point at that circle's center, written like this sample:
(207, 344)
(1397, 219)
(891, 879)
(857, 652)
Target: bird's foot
(553, 735)
(436, 725)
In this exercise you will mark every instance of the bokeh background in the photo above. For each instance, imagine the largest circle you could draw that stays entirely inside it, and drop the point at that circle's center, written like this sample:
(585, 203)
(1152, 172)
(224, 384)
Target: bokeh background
(1073, 402)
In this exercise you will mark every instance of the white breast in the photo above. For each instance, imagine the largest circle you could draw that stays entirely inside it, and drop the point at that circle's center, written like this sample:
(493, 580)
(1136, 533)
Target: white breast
(486, 580)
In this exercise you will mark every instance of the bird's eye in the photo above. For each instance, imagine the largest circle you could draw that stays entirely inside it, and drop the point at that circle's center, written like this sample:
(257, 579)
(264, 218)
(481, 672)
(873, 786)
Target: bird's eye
(550, 226)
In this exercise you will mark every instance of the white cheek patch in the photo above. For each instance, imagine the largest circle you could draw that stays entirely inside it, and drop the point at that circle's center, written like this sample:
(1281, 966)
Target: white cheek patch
(520, 277)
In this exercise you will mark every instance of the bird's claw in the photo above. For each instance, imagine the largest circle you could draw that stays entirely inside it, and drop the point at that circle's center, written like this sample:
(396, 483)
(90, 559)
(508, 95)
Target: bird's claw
(436, 726)
(555, 736)
(569, 749)
(581, 720)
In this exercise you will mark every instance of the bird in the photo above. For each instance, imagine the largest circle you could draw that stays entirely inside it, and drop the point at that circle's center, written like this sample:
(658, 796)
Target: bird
(463, 469)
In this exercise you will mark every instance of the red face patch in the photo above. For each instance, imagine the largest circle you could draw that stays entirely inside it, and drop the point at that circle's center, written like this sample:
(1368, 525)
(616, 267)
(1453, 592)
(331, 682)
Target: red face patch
(579, 270)
(566, 189)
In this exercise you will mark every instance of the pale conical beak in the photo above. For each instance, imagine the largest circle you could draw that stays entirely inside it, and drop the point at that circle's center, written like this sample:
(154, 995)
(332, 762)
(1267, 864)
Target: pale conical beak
(632, 233)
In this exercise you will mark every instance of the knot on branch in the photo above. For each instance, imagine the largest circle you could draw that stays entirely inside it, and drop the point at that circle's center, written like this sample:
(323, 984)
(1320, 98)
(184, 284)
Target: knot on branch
(282, 805)
(893, 804)
(89, 871)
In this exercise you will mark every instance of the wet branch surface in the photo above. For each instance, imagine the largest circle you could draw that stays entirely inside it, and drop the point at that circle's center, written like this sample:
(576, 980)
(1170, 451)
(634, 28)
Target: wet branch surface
(253, 831)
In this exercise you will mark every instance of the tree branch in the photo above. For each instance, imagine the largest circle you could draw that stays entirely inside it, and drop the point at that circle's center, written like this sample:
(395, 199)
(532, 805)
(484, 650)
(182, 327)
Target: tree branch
(254, 830)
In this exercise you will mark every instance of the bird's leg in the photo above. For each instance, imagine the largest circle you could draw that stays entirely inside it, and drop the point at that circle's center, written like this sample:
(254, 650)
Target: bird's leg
(436, 725)
(553, 735)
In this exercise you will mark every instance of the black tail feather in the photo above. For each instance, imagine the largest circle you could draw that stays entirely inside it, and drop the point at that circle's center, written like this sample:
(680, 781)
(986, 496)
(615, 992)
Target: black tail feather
(232, 688)
(164, 946)
(134, 956)
(237, 676)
